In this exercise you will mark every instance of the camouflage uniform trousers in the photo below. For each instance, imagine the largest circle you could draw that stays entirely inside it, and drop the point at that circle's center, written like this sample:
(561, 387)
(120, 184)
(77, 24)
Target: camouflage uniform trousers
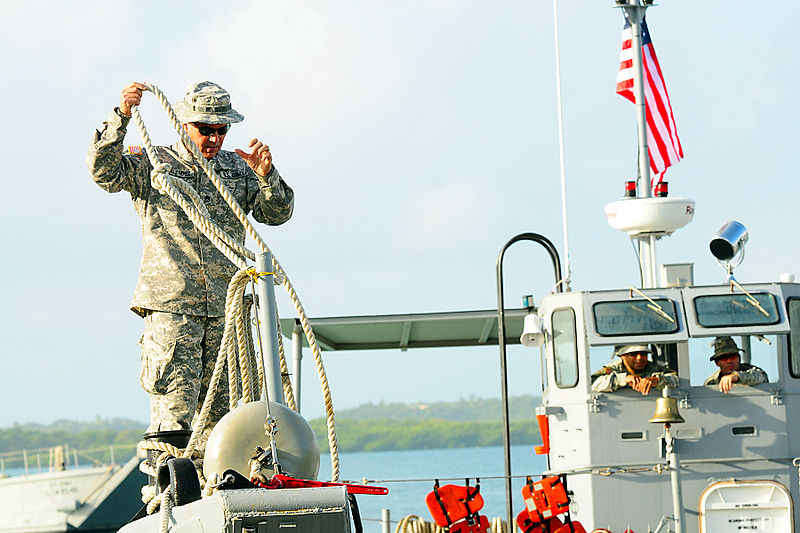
(177, 360)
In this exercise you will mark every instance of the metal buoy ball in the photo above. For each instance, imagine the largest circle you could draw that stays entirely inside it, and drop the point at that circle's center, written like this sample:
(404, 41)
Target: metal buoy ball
(235, 437)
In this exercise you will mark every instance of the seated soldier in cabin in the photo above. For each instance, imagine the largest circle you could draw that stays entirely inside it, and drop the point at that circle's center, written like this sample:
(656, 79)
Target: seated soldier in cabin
(731, 369)
(635, 370)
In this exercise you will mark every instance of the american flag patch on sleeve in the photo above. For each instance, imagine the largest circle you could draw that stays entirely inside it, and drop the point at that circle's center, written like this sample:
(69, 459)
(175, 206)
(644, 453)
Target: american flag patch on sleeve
(135, 150)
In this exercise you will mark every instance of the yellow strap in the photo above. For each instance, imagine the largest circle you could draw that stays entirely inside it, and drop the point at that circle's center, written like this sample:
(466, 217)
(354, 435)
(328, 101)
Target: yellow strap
(255, 275)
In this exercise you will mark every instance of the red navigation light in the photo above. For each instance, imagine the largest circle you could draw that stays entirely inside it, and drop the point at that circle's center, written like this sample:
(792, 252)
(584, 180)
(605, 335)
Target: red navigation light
(630, 189)
(662, 189)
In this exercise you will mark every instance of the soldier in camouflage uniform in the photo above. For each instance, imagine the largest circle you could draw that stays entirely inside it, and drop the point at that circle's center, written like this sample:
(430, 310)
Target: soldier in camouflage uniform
(731, 369)
(183, 278)
(634, 370)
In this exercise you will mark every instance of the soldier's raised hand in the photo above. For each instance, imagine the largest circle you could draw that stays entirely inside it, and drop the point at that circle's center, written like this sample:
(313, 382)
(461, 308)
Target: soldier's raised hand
(131, 96)
(259, 159)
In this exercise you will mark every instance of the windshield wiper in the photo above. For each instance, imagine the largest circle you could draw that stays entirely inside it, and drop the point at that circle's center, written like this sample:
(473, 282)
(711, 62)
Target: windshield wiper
(750, 298)
(652, 305)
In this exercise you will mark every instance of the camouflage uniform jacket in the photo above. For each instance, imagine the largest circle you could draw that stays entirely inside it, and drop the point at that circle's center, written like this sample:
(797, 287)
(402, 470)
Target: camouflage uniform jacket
(748, 375)
(612, 376)
(181, 270)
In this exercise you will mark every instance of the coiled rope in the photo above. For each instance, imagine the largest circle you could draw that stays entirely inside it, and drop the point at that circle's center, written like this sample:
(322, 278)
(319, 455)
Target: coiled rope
(415, 524)
(236, 355)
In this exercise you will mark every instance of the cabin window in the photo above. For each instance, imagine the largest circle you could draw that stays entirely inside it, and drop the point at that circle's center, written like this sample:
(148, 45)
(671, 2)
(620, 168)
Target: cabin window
(635, 317)
(565, 348)
(600, 356)
(763, 353)
(722, 310)
(793, 305)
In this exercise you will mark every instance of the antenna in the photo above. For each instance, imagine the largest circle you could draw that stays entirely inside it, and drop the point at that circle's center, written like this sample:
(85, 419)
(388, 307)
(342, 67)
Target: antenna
(568, 277)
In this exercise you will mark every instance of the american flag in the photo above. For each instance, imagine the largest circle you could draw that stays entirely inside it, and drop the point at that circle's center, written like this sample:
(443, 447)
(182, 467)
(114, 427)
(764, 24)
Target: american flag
(663, 144)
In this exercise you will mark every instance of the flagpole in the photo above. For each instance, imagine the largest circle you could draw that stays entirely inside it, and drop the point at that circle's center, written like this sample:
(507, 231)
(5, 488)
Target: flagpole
(568, 270)
(635, 16)
(647, 243)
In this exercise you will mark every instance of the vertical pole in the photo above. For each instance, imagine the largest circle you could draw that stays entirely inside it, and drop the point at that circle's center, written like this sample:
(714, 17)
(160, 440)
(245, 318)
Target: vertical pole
(75, 456)
(745, 346)
(675, 478)
(297, 352)
(267, 323)
(647, 244)
(111, 454)
(652, 263)
(561, 150)
(635, 16)
(501, 341)
(386, 523)
(25, 460)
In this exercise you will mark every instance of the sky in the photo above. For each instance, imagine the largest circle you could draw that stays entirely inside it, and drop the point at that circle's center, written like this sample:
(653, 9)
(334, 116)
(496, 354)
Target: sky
(418, 136)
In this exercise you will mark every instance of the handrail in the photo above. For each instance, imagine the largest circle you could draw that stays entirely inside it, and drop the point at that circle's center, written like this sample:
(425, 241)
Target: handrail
(70, 457)
(501, 340)
(79, 450)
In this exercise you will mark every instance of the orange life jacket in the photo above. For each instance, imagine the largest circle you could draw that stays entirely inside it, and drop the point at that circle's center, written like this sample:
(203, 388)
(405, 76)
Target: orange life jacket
(545, 498)
(450, 503)
(528, 525)
(476, 523)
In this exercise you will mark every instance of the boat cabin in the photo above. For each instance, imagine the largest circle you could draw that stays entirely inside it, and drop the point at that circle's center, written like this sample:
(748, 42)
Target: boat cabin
(736, 450)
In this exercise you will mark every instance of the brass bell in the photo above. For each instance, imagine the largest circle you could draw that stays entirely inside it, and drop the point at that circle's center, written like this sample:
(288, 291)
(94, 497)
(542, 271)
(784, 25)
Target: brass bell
(667, 411)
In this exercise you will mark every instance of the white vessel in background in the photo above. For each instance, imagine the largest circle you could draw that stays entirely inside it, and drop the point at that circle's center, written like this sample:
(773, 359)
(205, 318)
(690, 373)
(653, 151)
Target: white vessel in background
(64, 496)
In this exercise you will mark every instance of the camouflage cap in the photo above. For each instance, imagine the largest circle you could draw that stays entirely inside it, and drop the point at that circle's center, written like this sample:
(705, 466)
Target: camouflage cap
(626, 349)
(724, 346)
(208, 103)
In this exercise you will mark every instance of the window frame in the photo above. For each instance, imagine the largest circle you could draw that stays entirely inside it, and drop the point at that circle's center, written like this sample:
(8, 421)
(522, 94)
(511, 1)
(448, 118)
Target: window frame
(659, 301)
(790, 352)
(556, 373)
(775, 305)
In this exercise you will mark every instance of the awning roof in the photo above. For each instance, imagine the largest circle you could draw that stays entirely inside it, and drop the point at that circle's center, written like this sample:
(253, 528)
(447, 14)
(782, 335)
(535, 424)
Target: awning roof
(413, 330)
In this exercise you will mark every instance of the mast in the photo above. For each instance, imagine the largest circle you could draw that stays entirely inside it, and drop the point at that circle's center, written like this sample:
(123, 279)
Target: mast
(635, 13)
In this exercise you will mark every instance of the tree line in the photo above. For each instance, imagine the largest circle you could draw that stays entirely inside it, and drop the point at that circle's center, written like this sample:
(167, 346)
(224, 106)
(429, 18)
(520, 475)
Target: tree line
(384, 426)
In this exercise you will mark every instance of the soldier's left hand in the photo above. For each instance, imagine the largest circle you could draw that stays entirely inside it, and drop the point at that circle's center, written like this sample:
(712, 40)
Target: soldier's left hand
(726, 382)
(259, 159)
(644, 385)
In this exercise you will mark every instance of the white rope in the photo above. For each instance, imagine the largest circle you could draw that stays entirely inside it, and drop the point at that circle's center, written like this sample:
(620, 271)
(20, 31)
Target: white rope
(166, 508)
(198, 213)
(415, 524)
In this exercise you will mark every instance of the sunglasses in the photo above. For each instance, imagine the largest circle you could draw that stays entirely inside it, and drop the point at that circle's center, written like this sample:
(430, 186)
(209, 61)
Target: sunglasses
(207, 131)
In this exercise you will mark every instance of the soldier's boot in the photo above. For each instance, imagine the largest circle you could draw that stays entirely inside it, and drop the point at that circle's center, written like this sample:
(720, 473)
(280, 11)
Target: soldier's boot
(178, 438)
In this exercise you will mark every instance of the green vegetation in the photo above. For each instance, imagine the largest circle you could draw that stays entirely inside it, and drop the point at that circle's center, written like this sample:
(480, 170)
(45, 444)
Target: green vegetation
(81, 435)
(374, 435)
(370, 427)
(463, 424)
(465, 410)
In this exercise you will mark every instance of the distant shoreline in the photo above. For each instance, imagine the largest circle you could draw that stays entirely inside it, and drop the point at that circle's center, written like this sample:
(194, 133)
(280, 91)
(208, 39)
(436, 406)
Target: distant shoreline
(371, 427)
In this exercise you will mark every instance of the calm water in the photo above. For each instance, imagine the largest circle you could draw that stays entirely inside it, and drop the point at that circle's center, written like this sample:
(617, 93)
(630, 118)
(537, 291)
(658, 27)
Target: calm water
(407, 498)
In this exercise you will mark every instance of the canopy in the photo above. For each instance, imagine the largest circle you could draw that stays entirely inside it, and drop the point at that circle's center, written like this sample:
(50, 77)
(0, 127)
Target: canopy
(412, 330)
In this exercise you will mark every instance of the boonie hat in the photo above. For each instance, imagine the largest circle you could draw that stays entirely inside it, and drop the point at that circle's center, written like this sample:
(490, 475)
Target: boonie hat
(626, 349)
(208, 103)
(724, 346)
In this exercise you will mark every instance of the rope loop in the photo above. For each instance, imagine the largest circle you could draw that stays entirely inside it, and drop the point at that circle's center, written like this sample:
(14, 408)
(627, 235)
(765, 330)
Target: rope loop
(235, 338)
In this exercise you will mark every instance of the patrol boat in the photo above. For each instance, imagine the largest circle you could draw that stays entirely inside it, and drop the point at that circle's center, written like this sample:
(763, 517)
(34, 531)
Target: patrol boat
(693, 460)
(696, 459)
(687, 460)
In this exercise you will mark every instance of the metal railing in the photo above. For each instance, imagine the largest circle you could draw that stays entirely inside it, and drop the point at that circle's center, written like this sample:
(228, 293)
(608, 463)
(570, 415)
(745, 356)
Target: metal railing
(58, 458)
